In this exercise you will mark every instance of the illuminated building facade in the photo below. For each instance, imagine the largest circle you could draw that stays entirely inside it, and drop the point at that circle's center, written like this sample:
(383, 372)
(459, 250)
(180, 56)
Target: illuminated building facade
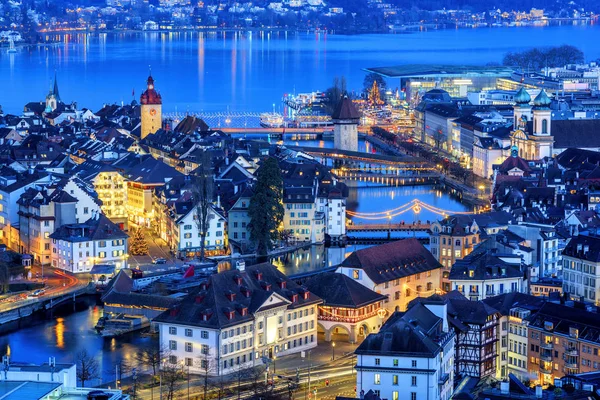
(151, 109)
(402, 271)
(237, 318)
(349, 310)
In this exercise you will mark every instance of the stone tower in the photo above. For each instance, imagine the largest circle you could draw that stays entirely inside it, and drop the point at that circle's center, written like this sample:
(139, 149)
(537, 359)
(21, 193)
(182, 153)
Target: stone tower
(345, 125)
(151, 109)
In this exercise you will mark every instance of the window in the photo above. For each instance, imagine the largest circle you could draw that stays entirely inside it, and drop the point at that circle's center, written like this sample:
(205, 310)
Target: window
(377, 379)
(172, 330)
(394, 395)
(377, 361)
(413, 395)
(204, 349)
(395, 362)
(394, 379)
(356, 274)
(204, 334)
(172, 359)
(188, 332)
(413, 381)
(172, 345)
(188, 347)
(414, 363)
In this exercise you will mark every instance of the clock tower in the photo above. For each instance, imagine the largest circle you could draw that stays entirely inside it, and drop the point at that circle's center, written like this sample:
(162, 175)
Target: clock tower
(151, 109)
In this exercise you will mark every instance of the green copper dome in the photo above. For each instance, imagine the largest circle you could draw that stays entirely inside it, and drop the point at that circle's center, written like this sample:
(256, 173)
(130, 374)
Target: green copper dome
(522, 97)
(542, 100)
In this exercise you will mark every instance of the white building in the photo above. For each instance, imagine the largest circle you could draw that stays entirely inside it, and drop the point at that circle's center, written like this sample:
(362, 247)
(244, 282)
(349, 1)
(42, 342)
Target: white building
(581, 267)
(412, 357)
(401, 270)
(236, 318)
(78, 247)
(188, 233)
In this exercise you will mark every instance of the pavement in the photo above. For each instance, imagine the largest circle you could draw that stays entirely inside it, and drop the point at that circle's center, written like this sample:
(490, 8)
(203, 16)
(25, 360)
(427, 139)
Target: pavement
(339, 373)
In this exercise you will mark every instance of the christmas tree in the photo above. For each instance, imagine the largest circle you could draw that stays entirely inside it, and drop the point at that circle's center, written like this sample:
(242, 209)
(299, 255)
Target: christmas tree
(374, 95)
(138, 245)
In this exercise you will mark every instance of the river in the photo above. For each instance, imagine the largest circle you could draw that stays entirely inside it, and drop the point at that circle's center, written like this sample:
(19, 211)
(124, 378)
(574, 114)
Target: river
(248, 71)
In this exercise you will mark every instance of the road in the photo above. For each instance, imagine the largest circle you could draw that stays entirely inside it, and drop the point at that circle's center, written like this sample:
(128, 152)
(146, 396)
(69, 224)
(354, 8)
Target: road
(57, 282)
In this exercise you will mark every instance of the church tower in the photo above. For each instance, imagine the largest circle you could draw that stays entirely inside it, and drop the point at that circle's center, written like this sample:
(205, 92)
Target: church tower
(53, 97)
(151, 109)
(521, 109)
(345, 125)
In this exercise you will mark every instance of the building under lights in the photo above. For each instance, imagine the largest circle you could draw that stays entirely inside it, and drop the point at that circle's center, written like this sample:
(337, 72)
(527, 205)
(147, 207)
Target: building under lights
(457, 80)
(237, 319)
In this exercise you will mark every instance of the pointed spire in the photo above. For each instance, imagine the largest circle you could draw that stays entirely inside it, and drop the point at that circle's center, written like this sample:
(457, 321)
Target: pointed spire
(55, 89)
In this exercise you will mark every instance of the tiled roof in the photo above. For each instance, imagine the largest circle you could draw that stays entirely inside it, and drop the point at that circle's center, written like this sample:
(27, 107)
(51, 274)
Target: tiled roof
(345, 109)
(99, 227)
(233, 291)
(577, 248)
(416, 332)
(339, 290)
(393, 260)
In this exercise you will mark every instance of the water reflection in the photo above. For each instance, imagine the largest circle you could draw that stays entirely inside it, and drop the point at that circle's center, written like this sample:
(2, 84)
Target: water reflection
(59, 332)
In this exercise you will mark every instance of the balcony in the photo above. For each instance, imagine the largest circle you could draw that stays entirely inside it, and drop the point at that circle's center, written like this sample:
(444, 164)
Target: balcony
(545, 370)
(570, 365)
(547, 346)
(546, 357)
(572, 352)
(443, 379)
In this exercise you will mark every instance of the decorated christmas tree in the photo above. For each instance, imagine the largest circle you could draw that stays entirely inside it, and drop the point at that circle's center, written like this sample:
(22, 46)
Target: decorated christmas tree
(375, 95)
(137, 244)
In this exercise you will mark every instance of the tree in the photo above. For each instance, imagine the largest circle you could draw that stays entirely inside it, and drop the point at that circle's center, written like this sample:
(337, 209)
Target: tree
(535, 59)
(151, 357)
(375, 95)
(87, 367)
(266, 206)
(171, 374)
(138, 245)
(372, 78)
(202, 194)
(335, 93)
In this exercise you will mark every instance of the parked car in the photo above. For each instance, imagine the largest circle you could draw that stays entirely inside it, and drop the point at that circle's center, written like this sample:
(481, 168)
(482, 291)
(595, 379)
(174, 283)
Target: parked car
(159, 261)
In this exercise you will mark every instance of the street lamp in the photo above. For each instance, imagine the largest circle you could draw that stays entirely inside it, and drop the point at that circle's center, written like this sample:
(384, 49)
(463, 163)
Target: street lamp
(333, 351)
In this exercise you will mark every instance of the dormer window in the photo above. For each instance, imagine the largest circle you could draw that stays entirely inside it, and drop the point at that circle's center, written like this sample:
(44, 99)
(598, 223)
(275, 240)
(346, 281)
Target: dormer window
(245, 291)
(266, 286)
(471, 273)
(259, 275)
(230, 295)
(282, 284)
(244, 311)
(229, 314)
(206, 315)
(294, 298)
(237, 279)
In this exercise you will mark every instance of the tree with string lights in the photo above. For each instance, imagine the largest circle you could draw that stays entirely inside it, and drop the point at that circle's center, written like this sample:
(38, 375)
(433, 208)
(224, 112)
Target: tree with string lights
(138, 245)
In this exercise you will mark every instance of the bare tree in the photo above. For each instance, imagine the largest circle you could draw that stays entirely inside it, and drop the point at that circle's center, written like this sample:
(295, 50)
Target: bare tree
(171, 374)
(152, 356)
(202, 192)
(87, 367)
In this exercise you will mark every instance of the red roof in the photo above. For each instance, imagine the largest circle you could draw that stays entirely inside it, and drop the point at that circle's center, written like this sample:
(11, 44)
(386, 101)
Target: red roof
(515, 162)
(150, 95)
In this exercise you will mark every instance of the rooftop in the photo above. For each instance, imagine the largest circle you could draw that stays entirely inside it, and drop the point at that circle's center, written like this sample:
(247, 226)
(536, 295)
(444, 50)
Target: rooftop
(450, 71)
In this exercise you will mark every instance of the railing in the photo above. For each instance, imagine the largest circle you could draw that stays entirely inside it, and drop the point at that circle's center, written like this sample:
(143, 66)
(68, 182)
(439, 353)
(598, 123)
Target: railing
(546, 357)
(572, 352)
(348, 319)
(545, 370)
(547, 346)
(443, 379)
(571, 365)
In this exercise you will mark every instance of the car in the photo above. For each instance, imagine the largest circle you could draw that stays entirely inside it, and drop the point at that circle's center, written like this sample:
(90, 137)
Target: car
(37, 293)
(159, 261)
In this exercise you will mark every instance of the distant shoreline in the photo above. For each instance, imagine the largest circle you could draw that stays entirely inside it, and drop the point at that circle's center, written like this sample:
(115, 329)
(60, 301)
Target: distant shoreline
(395, 30)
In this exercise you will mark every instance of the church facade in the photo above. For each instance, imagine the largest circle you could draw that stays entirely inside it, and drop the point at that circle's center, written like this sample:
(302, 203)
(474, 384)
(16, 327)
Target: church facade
(532, 134)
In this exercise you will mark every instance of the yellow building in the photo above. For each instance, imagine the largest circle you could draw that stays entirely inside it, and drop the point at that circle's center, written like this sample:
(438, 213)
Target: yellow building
(151, 109)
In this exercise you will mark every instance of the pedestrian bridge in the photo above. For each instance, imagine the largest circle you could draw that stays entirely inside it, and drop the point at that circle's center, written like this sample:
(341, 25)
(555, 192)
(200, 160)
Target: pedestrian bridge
(401, 227)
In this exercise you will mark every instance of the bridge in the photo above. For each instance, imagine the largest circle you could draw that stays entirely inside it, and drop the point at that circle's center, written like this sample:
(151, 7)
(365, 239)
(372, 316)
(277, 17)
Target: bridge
(360, 159)
(401, 227)
(25, 308)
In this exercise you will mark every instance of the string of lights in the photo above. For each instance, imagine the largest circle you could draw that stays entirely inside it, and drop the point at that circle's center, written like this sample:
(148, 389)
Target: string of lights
(414, 205)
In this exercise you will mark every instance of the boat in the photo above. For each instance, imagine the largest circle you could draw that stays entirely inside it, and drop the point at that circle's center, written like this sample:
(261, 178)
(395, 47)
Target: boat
(271, 120)
(118, 324)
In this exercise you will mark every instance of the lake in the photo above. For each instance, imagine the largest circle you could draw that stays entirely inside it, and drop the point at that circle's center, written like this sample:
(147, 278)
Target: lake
(248, 71)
